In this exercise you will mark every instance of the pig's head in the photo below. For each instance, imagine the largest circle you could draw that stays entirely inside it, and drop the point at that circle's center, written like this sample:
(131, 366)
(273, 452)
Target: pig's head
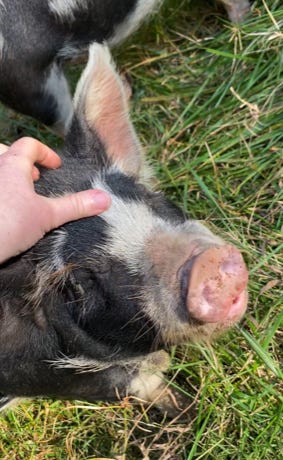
(141, 275)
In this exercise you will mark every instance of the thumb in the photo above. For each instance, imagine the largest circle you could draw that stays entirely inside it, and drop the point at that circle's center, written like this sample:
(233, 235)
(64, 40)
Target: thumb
(76, 206)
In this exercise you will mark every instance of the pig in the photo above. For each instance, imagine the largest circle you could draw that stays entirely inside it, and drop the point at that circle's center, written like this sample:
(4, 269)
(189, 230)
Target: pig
(89, 312)
(37, 36)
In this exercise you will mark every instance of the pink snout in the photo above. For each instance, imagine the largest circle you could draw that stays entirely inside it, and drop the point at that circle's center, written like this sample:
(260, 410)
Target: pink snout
(217, 286)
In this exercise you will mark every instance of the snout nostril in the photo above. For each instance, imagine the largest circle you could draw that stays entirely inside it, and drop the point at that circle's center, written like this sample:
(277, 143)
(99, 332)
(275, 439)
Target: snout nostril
(235, 300)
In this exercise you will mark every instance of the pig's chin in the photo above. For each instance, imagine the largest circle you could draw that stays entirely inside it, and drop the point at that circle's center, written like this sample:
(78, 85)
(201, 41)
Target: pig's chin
(214, 286)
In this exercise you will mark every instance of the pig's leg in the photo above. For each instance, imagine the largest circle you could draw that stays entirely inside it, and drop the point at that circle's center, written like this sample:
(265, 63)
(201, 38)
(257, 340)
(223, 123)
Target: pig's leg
(236, 9)
(142, 378)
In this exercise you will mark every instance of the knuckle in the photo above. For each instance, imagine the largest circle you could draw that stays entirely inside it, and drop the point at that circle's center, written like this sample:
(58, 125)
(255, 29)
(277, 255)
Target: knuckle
(76, 204)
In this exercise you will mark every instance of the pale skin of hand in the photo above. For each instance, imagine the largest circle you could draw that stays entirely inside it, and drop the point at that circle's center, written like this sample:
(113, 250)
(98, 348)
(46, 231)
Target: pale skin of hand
(25, 216)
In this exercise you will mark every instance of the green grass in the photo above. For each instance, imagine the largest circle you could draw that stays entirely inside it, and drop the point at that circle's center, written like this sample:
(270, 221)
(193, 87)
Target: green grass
(208, 106)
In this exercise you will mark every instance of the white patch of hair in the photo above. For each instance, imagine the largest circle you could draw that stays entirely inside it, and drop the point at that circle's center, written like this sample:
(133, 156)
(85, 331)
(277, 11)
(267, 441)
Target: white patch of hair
(133, 20)
(150, 379)
(57, 86)
(80, 365)
(59, 239)
(145, 385)
(2, 42)
(69, 51)
(130, 225)
(66, 10)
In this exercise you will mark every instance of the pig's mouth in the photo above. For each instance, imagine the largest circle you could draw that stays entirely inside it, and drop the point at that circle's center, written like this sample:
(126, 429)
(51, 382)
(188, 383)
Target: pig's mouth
(214, 285)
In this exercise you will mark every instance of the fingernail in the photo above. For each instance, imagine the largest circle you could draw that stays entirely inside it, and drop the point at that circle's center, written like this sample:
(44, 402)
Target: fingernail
(100, 200)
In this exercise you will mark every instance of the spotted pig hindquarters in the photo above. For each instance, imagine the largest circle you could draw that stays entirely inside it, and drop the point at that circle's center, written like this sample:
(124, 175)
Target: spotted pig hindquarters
(37, 36)
(86, 313)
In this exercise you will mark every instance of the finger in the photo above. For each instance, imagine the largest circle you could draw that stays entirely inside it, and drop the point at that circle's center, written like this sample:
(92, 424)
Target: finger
(35, 152)
(3, 148)
(78, 205)
(35, 174)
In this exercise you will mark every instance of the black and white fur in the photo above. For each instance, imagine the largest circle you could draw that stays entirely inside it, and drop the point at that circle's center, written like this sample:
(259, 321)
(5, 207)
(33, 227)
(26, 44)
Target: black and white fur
(36, 36)
(86, 312)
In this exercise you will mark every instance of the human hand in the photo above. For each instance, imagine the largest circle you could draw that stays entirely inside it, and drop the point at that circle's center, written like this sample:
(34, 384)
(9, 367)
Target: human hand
(25, 216)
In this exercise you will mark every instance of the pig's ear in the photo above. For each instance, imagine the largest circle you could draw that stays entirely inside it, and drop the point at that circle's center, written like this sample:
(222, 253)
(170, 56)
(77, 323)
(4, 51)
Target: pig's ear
(101, 98)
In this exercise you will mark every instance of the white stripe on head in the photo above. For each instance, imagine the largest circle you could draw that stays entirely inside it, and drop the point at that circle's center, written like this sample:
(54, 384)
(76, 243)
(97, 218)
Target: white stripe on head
(130, 225)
